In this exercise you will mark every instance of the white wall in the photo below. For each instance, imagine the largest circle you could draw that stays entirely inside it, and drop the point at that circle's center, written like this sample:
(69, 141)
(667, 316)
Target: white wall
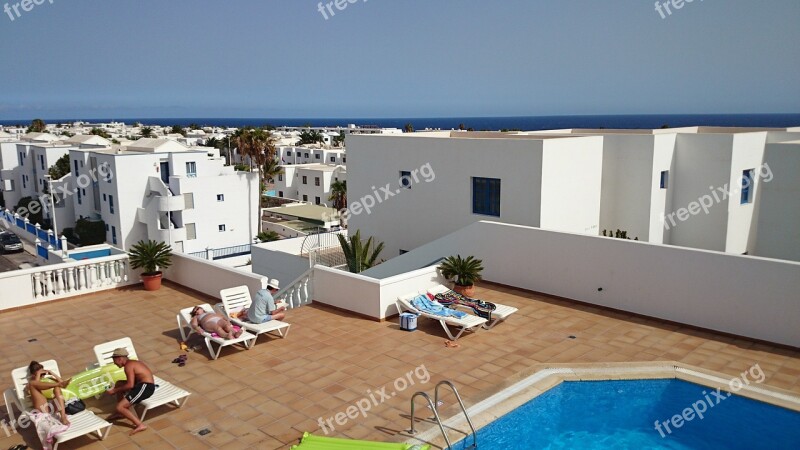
(348, 291)
(661, 199)
(432, 209)
(209, 277)
(627, 184)
(748, 153)
(778, 232)
(273, 261)
(742, 295)
(572, 171)
(701, 161)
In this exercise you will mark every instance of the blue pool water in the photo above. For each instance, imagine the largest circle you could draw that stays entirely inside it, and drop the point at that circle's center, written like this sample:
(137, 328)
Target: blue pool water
(621, 415)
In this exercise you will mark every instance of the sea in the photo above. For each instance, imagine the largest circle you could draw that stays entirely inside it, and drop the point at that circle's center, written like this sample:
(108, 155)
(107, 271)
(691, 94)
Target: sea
(525, 123)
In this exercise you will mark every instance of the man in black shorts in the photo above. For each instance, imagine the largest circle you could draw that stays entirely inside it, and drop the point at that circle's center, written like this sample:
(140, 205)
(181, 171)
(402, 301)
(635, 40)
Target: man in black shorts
(139, 386)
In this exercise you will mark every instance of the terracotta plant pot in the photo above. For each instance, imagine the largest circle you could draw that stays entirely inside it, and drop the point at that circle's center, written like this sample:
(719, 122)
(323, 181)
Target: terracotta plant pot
(152, 281)
(467, 291)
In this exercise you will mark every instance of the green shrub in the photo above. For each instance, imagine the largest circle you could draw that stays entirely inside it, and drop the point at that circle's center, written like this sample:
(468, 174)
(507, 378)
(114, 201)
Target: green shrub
(90, 233)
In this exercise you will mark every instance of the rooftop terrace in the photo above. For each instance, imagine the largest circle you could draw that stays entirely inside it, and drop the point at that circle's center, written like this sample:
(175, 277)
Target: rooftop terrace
(266, 397)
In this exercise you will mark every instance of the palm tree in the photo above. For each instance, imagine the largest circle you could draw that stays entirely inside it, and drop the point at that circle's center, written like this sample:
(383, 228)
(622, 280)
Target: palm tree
(408, 128)
(37, 126)
(146, 132)
(310, 137)
(339, 194)
(360, 256)
(272, 169)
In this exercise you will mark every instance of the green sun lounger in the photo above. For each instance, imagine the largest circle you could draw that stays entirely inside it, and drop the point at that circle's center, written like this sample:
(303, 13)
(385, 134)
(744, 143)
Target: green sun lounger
(311, 442)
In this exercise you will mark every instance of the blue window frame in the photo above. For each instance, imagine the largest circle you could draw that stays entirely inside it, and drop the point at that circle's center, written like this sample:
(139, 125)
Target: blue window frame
(79, 196)
(191, 169)
(405, 179)
(111, 203)
(41, 159)
(486, 196)
(747, 186)
(664, 179)
(75, 164)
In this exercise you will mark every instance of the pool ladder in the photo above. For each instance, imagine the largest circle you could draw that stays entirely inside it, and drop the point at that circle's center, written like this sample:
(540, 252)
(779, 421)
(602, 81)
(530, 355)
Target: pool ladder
(434, 405)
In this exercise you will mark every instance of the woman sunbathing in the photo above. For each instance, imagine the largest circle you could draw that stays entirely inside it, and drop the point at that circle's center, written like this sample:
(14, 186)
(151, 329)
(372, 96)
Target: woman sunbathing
(212, 322)
(37, 385)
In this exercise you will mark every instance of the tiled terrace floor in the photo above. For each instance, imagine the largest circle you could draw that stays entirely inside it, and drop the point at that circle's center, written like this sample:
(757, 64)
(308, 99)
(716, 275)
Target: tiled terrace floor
(266, 397)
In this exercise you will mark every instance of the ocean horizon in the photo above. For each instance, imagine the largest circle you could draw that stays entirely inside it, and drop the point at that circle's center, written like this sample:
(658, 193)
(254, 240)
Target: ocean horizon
(525, 123)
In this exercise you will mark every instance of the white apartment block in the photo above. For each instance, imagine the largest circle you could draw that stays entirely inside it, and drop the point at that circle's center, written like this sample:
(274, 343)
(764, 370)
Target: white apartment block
(306, 155)
(162, 190)
(579, 181)
(309, 183)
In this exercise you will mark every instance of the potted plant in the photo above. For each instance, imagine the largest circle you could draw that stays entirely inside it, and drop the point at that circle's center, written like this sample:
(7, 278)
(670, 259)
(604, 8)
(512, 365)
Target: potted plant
(151, 256)
(463, 272)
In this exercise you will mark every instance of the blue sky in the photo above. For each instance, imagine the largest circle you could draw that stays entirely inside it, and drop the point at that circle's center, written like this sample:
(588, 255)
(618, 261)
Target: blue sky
(391, 58)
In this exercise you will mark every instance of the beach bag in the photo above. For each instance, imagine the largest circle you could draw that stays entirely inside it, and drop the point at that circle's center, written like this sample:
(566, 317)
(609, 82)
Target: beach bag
(74, 406)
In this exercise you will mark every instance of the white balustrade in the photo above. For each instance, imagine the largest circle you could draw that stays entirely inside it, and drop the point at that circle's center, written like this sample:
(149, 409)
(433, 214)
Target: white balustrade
(299, 292)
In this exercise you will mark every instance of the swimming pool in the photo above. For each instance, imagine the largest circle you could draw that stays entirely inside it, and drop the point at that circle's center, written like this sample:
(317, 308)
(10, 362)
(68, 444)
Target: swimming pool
(622, 415)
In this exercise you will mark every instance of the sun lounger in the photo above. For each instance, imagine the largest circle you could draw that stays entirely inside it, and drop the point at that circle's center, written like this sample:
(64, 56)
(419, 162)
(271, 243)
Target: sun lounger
(184, 325)
(165, 393)
(466, 323)
(235, 299)
(500, 313)
(82, 423)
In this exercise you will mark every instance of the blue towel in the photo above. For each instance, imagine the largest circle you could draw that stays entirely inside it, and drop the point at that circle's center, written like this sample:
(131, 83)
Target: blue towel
(423, 303)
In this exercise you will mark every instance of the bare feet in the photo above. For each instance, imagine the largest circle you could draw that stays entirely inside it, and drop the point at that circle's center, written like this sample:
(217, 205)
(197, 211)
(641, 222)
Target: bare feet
(65, 420)
(141, 427)
(237, 333)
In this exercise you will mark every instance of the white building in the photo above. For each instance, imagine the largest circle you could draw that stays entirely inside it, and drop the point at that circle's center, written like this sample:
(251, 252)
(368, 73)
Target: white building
(648, 183)
(159, 189)
(309, 183)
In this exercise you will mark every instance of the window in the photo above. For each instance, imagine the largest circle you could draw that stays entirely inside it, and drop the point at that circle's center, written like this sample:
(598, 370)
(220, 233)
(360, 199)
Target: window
(486, 196)
(220, 197)
(84, 192)
(111, 203)
(75, 164)
(664, 179)
(305, 198)
(747, 186)
(25, 182)
(280, 194)
(114, 235)
(333, 159)
(306, 155)
(191, 169)
(280, 177)
(188, 198)
(305, 179)
(403, 252)
(41, 160)
(21, 159)
(405, 179)
(316, 181)
(316, 156)
(79, 196)
(344, 159)
(106, 228)
(191, 231)
(104, 197)
(221, 227)
(289, 153)
(316, 200)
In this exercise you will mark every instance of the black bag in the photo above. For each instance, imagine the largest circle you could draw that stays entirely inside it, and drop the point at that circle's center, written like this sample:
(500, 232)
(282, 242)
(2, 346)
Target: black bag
(74, 406)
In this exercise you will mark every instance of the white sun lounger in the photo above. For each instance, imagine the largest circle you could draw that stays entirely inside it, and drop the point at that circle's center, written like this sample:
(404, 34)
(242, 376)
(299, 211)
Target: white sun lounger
(237, 298)
(165, 393)
(468, 323)
(500, 314)
(83, 423)
(185, 327)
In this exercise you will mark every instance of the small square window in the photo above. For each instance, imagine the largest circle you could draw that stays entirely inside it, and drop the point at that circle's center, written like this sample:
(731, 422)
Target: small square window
(220, 197)
(316, 156)
(748, 177)
(305, 198)
(306, 155)
(664, 179)
(305, 179)
(289, 153)
(280, 177)
(316, 181)
(333, 159)
(317, 200)
(280, 194)
(221, 227)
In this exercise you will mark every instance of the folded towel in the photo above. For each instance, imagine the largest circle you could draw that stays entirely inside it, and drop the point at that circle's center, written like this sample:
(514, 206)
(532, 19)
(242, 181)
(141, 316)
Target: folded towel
(47, 427)
(423, 303)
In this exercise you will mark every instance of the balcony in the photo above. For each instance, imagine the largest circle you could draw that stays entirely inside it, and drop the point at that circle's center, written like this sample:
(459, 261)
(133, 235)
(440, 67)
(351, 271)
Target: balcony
(171, 203)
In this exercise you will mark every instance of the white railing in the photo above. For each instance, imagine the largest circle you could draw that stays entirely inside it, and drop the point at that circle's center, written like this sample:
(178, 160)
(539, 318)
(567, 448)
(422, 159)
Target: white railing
(58, 281)
(299, 292)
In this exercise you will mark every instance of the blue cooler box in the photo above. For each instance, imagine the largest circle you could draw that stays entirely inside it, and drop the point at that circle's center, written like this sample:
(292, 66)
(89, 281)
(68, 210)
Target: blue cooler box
(408, 321)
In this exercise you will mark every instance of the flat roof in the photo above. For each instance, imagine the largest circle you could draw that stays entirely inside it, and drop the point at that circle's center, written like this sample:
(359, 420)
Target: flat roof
(311, 213)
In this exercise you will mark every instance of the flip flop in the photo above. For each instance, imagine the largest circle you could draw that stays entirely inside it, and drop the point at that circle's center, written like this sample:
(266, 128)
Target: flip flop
(451, 344)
